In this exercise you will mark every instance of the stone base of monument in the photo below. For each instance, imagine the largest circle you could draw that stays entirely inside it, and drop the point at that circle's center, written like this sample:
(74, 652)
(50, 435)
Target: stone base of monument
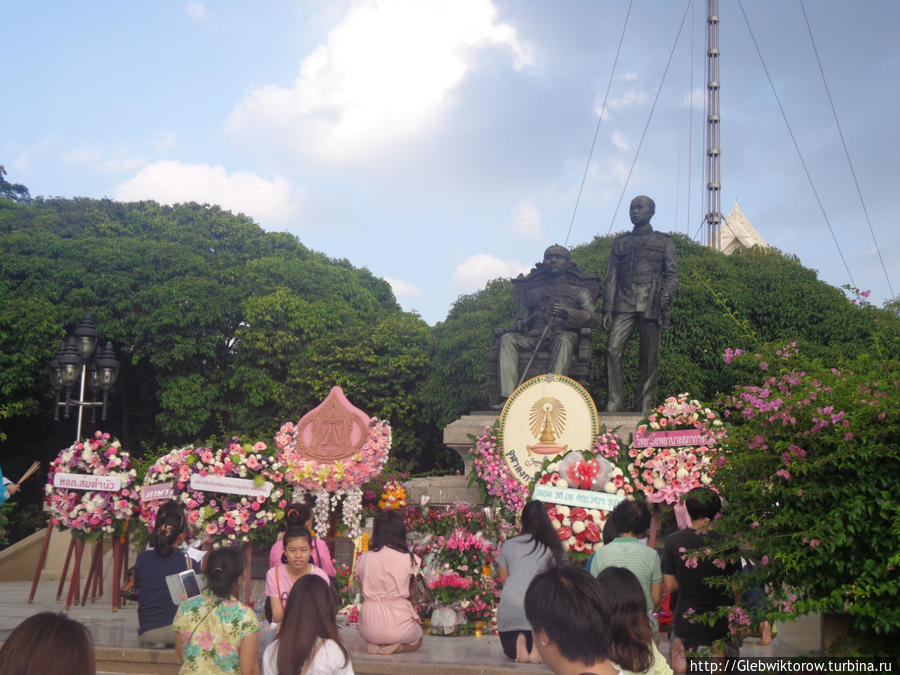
(450, 489)
(623, 423)
(456, 434)
(442, 490)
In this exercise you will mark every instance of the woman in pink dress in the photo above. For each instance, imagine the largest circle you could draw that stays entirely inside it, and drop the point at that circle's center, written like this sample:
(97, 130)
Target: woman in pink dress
(388, 622)
(300, 515)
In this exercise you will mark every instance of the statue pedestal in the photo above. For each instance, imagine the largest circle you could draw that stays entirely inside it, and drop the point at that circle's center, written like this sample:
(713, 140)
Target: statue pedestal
(623, 423)
(456, 434)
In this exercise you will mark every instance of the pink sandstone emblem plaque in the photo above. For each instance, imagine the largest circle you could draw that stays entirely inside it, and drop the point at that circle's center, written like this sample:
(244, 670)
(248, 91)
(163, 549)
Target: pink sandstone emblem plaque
(333, 430)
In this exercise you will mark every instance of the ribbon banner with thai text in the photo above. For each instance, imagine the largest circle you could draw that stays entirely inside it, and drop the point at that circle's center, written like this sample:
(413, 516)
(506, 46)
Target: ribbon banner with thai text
(674, 438)
(232, 486)
(587, 499)
(83, 481)
(156, 492)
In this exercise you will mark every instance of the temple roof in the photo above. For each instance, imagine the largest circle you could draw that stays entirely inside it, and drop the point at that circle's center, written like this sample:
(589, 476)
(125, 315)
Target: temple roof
(738, 232)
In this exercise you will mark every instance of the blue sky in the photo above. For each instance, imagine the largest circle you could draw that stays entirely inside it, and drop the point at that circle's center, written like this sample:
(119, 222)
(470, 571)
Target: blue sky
(442, 144)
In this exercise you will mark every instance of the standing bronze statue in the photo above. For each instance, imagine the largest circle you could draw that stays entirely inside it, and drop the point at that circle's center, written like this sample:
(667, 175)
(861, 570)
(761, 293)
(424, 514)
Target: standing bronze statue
(554, 304)
(641, 283)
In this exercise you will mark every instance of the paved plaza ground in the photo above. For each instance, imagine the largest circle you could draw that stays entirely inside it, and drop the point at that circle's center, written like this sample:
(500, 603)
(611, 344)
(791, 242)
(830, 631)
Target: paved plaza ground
(115, 636)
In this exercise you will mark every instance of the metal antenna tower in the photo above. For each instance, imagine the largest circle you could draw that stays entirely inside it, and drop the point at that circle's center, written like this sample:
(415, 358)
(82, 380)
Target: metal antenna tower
(713, 154)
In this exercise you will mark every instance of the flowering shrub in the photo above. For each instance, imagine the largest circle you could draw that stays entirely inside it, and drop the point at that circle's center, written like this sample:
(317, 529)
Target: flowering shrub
(812, 483)
(92, 513)
(341, 474)
(492, 474)
(221, 516)
(664, 474)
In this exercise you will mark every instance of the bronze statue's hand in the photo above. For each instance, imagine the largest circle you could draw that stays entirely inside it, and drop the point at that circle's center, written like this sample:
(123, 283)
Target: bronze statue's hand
(559, 310)
(607, 321)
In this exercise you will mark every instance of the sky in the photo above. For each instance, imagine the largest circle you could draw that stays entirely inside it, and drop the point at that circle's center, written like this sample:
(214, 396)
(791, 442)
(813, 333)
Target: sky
(442, 143)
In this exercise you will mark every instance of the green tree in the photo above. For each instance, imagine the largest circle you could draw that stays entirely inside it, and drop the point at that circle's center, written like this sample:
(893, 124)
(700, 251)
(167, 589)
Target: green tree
(748, 298)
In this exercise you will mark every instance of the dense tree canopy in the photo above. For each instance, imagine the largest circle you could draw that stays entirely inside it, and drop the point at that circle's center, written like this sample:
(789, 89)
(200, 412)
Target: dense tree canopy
(743, 300)
(222, 327)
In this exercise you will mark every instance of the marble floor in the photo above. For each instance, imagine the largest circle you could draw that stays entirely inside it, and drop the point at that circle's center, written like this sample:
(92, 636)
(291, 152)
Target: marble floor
(438, 654)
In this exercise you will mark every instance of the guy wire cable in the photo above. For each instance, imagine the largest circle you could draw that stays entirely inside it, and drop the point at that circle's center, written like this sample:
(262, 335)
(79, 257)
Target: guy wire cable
(796, 146)
(650, 116)
(587, 165)
(846, 152)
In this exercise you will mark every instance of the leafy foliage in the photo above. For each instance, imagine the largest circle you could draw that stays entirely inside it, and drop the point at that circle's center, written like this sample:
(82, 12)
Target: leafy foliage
(811, 483)
(749, 298)
(222, 327)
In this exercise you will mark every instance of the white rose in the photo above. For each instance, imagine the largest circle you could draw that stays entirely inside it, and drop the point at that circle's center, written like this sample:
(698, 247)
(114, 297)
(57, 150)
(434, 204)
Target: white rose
(659, 483)
(570, 542)
(566, 522)
(621, 492)
(562, 483)
(556, 524)
(578, 526)
(706, 480)
(681, 474)
(562, 510)
(595, 514)
(609, 487)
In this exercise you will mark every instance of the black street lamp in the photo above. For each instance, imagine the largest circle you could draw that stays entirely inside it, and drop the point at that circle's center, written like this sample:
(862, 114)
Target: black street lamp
(98, 369)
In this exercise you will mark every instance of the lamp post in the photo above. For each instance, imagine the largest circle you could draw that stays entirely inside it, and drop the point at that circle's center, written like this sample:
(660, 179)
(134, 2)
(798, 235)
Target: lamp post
(78, 357)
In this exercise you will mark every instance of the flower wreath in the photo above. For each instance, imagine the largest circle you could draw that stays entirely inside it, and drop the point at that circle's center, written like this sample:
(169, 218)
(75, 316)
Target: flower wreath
(222, 516)
(664, 474)
(338, 482)
(91, 514)
(580, 528)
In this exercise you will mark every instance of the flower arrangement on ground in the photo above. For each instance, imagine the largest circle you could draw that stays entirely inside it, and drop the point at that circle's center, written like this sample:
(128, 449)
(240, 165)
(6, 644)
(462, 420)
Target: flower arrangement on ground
(336, 483)
(91, 514)
(492, 474)
(458, 546)
(666, 473)
(222, 516)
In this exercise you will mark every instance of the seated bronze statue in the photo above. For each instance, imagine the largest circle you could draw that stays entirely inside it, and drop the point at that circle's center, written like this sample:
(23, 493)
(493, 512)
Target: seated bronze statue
(555, 312)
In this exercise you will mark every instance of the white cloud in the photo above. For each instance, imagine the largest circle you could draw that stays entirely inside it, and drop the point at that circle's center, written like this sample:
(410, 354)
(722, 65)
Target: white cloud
(196, 11)
(629, 99)
(119, 160)
(619, 141)
(384, 74)
(164, 140)
(476, 270)
(403, 289)
(172, 182)
(527, 222)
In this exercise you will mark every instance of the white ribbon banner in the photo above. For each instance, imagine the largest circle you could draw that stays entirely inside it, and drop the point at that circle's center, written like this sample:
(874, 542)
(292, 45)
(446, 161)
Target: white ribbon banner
(231, 486)
(150, 493)
(673, 438)
(587, 499)
(83, 481)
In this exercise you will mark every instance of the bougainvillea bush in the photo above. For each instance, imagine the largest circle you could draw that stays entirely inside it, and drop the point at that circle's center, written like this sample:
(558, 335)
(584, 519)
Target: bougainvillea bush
(810, 482)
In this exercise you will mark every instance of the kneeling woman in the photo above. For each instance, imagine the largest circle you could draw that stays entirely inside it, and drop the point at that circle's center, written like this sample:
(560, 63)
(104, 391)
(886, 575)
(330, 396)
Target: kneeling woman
(296, 563)
(388, 622)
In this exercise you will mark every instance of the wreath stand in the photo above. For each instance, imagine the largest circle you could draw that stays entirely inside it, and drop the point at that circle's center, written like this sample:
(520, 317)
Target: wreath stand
(94, 580)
